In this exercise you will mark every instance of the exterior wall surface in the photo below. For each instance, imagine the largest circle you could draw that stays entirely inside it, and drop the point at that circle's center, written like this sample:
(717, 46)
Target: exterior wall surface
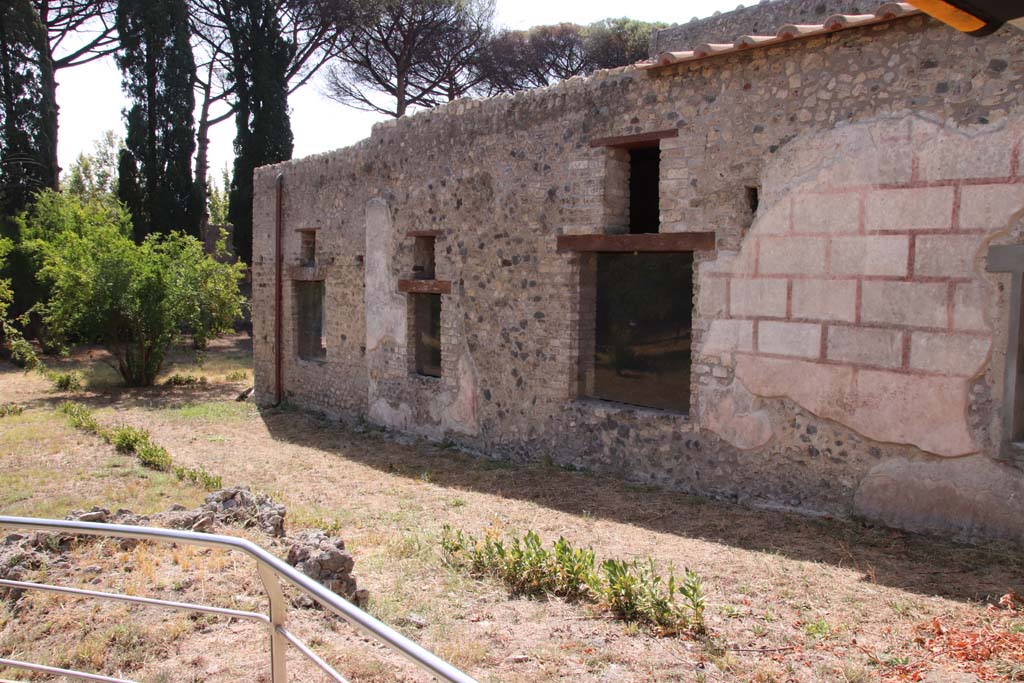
(848, 343)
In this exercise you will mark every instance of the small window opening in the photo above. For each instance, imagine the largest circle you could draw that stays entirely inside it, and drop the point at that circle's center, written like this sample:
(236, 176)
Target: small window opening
(427, 333)
(307, 248)
(644, 189)
(643, 320)
(309, 301)
(753, 199)
(424, 258)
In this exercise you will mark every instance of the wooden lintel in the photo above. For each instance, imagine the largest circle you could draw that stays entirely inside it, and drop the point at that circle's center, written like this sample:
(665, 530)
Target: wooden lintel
(633, 141)
(656, 242)
(425, 286)
(423, 233)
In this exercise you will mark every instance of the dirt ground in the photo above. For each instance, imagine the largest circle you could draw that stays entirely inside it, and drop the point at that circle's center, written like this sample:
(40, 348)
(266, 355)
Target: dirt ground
(790, 598)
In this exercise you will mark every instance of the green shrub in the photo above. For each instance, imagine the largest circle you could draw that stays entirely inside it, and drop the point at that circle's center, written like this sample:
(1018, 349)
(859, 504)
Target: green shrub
(11, 409)
(177, 380)
(129, 439)
(633, 591)
(136, 299)
(237, 376)
(66, 381)
(154, 457)
(81, 418)
(211, 482)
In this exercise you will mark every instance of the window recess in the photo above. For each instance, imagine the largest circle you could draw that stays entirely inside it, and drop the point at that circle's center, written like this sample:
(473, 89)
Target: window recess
(1010, 259)
(309, 319)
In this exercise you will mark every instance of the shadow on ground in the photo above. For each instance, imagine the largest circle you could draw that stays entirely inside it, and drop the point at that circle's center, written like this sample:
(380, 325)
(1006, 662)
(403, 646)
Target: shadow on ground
(921, 564)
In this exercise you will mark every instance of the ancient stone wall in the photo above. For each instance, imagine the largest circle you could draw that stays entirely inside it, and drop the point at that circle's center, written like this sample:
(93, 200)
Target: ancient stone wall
(848, 343)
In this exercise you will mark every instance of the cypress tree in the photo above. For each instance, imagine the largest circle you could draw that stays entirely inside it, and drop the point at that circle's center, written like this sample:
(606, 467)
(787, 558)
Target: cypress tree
(261, 57)
(155, 169)
(24, 166)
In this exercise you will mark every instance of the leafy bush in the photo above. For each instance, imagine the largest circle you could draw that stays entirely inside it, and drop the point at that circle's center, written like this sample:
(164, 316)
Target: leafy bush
(137, 300)
(633, 591)
(153, 456)
(11, 409)
(177, 380)
(11, 337)
(66, 381)
(211, 482)
(128, 439)
(81, 418)
(237, 376)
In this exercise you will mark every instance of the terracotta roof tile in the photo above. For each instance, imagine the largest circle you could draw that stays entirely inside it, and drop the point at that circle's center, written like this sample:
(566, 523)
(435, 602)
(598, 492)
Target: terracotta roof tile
(787, 32)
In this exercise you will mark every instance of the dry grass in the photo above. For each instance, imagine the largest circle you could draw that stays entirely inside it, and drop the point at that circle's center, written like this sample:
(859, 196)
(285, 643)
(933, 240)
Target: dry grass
(790, 598)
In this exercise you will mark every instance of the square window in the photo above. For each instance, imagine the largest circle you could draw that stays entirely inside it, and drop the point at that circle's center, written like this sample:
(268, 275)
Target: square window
(643, 313)
(309, 303)
(427, 333)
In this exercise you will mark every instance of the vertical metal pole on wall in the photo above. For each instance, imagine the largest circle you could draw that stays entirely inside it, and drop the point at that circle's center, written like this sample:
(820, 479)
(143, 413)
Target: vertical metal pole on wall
(278, 616)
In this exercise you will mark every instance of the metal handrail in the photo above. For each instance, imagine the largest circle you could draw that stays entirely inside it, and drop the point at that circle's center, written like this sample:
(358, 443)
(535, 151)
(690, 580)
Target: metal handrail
(272, 572)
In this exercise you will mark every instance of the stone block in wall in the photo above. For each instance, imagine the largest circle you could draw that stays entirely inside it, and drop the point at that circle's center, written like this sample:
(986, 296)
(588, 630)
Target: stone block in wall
(953, 156)
(945, 255)
(916, 208)
(792, 256)
(802, 340)
(870, 255)
(948, 354)
(713, 300)
(727, 336)
(835, 212)
(969, 302)
(865, 346)
(920, 304)
(825, 299)
(758, 297)
(990, 206)
(774, 219)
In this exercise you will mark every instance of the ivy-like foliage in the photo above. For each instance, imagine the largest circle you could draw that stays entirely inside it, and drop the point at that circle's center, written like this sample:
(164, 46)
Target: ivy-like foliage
(137, 299)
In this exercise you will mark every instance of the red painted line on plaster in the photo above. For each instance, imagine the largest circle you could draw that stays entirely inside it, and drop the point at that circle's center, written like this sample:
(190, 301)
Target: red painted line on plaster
(955, 218)
(754, 337)
(824, 343)
(950, 301)
(951, 182)
(757, 256)
(862, 213)
(1015, 159)
(924, 374)
(915, 168)
(905, 355)
(840, 277)
(728, 297)
(911, 256)
(789, 299)
(981, 334)
(858, 300)
(828, 255)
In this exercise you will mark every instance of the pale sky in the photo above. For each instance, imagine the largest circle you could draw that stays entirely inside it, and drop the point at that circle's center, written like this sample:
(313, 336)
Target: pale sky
(91, 101)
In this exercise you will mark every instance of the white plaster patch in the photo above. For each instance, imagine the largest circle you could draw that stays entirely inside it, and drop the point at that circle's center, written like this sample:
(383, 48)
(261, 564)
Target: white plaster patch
(385, 307)
(384, 414)
(733, 413)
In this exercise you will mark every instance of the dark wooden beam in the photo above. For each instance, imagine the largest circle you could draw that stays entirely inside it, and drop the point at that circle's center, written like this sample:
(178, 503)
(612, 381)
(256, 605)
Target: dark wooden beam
(634, 141)
(425, 286)
(423, 233)
(663, 242)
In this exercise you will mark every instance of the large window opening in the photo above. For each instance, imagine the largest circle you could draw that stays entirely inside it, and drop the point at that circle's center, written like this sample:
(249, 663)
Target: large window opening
(643, 314)
(427, 333)
(644, 187)
(309, 302)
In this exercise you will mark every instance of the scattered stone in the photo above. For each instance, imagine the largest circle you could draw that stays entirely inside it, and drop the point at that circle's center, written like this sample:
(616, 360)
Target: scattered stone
(518, 659)
(325, 559)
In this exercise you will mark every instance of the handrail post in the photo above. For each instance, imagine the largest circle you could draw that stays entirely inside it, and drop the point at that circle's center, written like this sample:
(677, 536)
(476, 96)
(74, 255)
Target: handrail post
(278, 616)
